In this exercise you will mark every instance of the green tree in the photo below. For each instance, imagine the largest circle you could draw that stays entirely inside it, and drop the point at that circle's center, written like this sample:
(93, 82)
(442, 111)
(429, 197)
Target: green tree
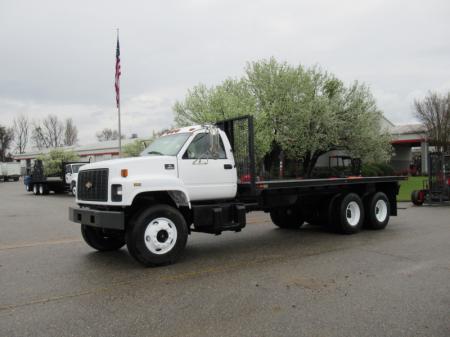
(133, 149)
(6, 138)
(53, 160)
(305, 111)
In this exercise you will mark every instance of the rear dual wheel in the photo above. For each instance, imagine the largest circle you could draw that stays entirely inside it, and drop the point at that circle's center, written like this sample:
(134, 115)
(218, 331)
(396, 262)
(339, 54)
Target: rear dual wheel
(43, 189)
(351, 214)
(378, 210)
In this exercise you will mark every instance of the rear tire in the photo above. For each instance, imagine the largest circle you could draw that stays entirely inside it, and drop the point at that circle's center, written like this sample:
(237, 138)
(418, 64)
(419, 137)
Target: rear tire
(287, 218)
(35, 189)
(43, 189)
(157, 236)
(378, 210)
(100, 240)
(351, 214)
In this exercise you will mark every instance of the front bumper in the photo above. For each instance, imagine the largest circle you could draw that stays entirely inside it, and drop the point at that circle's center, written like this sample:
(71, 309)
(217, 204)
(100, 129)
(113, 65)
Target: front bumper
(96, 218)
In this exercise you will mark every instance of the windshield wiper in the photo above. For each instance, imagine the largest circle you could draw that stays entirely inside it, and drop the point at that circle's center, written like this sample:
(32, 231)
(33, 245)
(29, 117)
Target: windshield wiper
(155, 152)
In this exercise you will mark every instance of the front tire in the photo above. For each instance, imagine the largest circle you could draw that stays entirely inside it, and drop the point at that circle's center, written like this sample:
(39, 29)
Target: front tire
(378, 210)
(351, 214)
(100, 240)
(287, 218)
(157, 236)
(73, 188)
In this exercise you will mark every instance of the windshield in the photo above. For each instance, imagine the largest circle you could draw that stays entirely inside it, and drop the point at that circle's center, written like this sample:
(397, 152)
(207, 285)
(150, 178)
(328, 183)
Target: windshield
(76, 168)
(166, 145)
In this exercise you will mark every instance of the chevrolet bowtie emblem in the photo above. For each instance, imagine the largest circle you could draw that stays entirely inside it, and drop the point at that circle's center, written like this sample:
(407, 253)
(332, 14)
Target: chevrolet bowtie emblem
(88, 185)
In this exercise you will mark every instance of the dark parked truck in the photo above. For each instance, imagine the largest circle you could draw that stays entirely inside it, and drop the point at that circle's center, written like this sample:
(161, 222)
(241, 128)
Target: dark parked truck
(203, 179)
(64, 181)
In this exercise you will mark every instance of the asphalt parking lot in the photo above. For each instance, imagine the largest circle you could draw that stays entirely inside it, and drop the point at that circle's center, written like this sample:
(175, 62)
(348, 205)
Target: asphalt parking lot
(261, 282)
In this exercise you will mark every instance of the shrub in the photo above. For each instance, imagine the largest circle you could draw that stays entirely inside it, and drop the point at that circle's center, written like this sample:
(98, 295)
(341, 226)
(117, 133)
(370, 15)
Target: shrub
(52, 161)
(376, 169)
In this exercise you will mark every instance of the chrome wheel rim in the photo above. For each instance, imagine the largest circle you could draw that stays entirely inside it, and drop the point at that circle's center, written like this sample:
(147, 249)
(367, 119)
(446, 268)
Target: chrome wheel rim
(353, 213)
(160, 236)
(380, 210)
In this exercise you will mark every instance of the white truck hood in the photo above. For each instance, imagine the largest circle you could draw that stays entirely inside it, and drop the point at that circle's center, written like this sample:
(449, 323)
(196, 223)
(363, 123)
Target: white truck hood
(137, 166)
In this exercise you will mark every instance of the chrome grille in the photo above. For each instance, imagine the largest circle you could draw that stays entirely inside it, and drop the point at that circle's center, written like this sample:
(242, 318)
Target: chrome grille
(93, 185)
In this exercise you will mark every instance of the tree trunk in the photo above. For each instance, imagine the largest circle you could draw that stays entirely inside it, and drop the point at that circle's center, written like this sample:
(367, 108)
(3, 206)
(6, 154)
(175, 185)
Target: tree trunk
(310, 162)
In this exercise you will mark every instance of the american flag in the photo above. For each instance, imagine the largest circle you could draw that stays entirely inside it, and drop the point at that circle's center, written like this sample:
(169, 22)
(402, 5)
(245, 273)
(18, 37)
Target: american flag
(117, 84)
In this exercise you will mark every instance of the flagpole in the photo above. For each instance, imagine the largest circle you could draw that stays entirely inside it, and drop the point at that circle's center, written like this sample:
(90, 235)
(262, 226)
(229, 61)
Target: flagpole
(120, 132)
(118, 111)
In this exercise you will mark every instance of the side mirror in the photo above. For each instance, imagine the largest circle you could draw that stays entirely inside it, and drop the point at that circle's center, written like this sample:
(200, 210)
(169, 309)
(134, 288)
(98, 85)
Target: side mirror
(214, 141)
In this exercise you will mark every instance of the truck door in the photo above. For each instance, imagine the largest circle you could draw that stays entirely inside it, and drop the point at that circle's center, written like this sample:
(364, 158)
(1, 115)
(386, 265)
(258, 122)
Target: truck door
(208, 175)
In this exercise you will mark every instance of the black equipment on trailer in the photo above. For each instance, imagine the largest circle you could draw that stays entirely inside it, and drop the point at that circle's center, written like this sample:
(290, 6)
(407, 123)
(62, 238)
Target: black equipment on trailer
(436, 189)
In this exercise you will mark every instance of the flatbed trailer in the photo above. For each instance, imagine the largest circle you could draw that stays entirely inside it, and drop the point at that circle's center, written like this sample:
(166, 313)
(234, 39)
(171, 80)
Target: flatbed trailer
(151, 204)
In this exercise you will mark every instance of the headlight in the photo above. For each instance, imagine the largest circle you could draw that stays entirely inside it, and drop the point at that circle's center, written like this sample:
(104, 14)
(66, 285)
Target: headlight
(116, 192)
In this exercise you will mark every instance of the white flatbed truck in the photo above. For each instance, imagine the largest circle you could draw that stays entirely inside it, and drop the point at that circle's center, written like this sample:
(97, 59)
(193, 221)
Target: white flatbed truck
(203, 179)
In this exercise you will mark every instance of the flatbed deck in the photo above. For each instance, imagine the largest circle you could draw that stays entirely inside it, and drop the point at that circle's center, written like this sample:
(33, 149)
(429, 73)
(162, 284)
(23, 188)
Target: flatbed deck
(298, 183)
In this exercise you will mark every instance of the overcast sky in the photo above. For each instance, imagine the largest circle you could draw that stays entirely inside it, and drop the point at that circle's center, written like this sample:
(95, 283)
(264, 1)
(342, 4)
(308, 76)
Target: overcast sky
(59, 56)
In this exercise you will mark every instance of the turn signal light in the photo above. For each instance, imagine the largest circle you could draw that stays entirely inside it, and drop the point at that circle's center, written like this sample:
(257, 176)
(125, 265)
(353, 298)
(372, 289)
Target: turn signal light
(124, 173)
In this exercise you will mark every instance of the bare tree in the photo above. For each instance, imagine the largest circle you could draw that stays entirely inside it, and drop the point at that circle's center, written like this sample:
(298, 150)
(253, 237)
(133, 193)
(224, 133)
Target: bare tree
(21, 127)
(434, 112)
(6, 137)
(49, 133)
(70, 133)
(38, 138)
(108, 134)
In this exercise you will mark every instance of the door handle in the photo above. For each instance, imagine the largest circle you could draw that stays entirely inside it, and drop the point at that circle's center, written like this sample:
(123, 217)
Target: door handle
(227, 166)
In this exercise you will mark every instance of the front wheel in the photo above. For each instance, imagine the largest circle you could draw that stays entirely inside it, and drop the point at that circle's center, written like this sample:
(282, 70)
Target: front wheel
(73, 188)
(101, 240)
(157, 236)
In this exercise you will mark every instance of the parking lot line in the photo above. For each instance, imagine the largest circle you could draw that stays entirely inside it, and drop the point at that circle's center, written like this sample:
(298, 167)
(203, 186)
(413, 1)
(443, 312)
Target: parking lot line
(39, 243)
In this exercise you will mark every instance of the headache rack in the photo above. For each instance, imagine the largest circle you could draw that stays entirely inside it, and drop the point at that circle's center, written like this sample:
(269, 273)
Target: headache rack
(240, 132)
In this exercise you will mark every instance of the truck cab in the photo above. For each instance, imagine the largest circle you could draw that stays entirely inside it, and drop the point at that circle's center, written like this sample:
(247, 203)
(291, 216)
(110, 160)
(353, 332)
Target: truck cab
(193, 164)
(71, 176)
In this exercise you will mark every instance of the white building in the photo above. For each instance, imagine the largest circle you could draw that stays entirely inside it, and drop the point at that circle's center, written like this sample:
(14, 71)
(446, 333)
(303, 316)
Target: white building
(91, 152)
